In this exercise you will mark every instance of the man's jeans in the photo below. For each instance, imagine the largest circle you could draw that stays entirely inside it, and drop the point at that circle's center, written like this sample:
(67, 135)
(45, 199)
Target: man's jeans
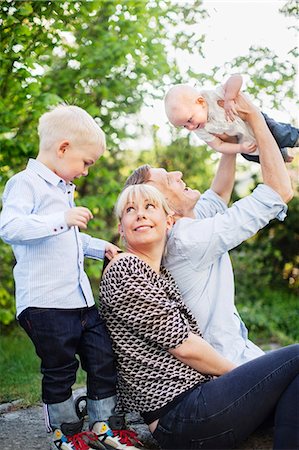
(284, 134)
(58, 335)
(223, 412)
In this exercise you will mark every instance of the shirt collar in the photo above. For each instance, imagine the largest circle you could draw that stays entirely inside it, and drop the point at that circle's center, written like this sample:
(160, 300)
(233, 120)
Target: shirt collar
(47, 174)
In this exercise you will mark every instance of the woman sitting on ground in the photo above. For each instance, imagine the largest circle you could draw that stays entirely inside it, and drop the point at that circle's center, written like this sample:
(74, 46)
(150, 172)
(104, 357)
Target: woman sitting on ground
(189, 395)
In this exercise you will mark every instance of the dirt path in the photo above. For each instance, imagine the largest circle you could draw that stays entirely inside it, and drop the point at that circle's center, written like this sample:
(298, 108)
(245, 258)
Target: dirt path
(23, 429)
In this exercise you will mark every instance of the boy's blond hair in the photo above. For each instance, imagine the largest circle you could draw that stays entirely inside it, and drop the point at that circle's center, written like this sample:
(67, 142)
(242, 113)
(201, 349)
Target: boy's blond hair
(69, 122)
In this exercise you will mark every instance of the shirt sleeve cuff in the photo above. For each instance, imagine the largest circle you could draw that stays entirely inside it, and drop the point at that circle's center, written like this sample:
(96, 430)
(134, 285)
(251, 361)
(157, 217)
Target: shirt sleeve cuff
(93, 247)
(56, 223)
(266, 195)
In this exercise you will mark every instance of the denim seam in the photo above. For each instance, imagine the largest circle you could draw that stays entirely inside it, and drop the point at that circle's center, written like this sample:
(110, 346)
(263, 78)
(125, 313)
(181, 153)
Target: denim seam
(183, 420)
(253, 387)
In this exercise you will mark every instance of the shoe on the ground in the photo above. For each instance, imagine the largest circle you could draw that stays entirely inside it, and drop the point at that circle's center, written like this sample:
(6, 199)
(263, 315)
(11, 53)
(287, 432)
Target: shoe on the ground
(128, 439)
(86, 440)
(60, 441)
(119, 439)
(105, 436)
(90, 440)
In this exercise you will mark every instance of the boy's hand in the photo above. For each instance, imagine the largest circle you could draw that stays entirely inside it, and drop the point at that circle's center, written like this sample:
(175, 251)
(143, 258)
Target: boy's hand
(247, 147)
(78, 216)
(230, 110)
(111, 250)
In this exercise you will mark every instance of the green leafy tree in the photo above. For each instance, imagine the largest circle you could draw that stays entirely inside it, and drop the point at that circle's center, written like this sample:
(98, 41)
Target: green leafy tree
(111, 57)
(103, 55)
(107, 56)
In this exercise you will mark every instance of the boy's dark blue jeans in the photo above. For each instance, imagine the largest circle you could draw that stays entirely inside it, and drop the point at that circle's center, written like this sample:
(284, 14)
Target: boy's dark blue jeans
(222, 413)
(58, 335)
(284, 134)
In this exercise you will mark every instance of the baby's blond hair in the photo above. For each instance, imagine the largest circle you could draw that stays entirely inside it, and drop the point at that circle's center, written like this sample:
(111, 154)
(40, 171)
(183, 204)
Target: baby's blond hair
(69, 122)
(178, 96)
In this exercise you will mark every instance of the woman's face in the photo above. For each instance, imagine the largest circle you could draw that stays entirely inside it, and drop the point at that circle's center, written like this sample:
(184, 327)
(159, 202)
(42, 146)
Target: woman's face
(144, 223)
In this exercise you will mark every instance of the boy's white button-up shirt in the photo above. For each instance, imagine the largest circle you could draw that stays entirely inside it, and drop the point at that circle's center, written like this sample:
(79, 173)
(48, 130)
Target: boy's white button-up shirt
(49, 270)
(198, 260)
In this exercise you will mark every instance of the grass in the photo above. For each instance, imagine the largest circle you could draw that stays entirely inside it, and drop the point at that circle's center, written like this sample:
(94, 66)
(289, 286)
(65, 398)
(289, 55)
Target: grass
(20, 376)
(272, 316)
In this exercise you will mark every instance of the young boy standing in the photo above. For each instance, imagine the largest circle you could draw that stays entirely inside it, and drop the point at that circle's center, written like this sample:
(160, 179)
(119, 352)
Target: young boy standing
(54, 300)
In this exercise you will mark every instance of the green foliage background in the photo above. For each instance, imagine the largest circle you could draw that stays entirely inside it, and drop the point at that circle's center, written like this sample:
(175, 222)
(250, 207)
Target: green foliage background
(111, 57)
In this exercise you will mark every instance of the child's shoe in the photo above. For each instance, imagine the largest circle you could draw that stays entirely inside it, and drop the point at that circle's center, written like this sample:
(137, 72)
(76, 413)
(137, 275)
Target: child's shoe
(105, 436)
(60, 441)
(119, 439)
(85, 440)
(128, 439)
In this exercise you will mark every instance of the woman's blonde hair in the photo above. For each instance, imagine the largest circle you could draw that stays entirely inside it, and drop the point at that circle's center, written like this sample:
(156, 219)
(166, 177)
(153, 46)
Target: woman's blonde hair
(137, 192)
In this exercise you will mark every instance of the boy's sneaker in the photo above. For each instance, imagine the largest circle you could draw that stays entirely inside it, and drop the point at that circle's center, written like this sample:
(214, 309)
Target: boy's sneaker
(116, 439)
(105, 436)
(60, 441)
(128, 439)
(86, 440)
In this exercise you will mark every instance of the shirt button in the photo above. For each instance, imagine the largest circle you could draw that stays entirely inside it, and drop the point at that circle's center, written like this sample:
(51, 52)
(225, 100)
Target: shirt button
(61, 228)
(55, 229)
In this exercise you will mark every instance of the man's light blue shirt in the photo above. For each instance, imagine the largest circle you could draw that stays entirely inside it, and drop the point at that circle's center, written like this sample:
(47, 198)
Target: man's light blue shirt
(198, 260)
(49, 270)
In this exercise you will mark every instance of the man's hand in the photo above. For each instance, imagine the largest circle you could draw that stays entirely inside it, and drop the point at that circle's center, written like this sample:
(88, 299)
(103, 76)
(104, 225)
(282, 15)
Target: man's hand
(248, 147)
(243, 107)
(78, 216)
(111, 250)
(230, 110)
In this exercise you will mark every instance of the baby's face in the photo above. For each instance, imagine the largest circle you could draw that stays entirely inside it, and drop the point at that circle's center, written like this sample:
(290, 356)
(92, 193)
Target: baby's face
(192, 115)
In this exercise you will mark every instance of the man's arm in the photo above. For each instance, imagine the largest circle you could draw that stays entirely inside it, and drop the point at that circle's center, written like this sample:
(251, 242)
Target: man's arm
(224, 179)
(274, 172)
(201, 356)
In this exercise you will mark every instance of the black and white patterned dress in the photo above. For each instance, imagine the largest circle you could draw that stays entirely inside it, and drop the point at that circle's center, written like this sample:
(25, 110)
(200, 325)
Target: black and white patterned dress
(145, 316)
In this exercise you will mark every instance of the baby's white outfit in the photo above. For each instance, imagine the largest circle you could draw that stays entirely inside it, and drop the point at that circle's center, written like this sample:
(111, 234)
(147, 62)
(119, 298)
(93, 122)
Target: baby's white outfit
(217, 123)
